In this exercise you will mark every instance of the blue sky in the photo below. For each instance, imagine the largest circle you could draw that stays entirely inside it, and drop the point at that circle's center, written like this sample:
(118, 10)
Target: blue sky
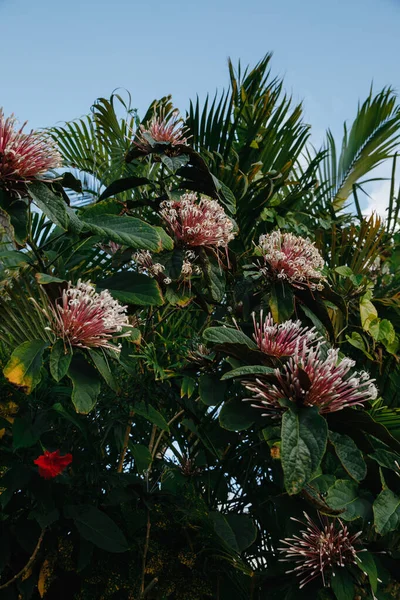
(58, 56)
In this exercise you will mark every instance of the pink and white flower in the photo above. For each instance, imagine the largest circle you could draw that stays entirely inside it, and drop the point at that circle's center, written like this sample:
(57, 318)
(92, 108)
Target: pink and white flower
(24, 156)
(318, 550)
(281, 339)
(161, 130)
(197, 223)
(308, 379)
(87, 319)
(292, 258)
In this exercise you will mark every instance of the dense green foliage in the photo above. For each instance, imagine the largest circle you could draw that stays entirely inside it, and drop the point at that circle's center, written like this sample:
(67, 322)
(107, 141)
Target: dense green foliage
(178, 489)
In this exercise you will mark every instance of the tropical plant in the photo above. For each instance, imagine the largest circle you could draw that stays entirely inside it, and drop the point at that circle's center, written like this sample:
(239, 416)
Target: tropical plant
(197, 354)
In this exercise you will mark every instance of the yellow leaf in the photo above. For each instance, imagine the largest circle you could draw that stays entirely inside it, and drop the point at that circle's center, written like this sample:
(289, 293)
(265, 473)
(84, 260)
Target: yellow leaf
(46, 571)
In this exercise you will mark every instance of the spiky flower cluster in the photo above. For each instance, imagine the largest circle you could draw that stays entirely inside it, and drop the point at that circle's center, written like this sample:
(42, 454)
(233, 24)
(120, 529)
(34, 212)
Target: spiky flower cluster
(308, 379)
(319, 549)
(281, 339)
(23, 156)
(145, 263)
(86, 319)
(161, 131)
(197, 223)
(291, 258)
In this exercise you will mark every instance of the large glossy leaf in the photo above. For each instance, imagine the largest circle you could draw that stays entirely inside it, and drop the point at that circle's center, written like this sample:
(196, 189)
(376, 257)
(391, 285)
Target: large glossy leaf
(142, 456)
(387, 459)
(228, 335)
(386, 512)
(244, 529)
(343, 495)
(122, 185)
(86, 385)
(23, 368)
(281, 302)
(224, 530)
(133, 288)
(129, 231)
(304, 438)
(367, 564)
(52, 204)
(248, 370)
(349, 455)
(211, 389)
(237, 415)
(104, 368)
(97, 527)
(26, 433)
(60, 359)
(151, 414)
(342, 584)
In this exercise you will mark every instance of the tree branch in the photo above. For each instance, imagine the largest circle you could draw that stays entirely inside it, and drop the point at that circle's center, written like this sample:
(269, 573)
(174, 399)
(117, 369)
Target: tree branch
(28, 564)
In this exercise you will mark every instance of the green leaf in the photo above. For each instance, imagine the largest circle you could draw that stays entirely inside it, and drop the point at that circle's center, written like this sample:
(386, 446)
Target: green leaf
(211, 389)
(349, 455)
(224, 530)
(86, 385)
(72, 418)
(104, 207)
(178, 295)
(227, 197)
(215, 281)
(281, 302)
(11, 259)
(151, 414)
(248, 370)
(44, 279)
(228, 335)
(104, 369)
(187, 386)
(237, 531)
(23, 368)
(124, 230)
(304, 439)
(123, 185)
(167, 243)
(25, 433)
(174, 262)
(243, 528)
(367, 564)
(344, 271)
(386, 512)
(97, 527)
(19, 218)
(384, 458)
(237, 415)
(342, 584)
(173, 163)
(368, 312)
(342, 493)
(52, 204)
(382, 331)
(59, 360)
(142, 456)
(351, 420)
(132, 288)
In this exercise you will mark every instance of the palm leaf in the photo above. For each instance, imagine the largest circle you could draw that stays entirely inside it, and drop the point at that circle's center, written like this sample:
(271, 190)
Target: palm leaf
(371, 140)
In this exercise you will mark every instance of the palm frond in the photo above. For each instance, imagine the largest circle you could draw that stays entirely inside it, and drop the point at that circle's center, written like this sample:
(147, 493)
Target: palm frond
(371, 139)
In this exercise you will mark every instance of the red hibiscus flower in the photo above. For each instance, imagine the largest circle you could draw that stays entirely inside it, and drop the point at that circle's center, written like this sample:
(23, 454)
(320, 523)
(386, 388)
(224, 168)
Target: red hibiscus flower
(52, 464)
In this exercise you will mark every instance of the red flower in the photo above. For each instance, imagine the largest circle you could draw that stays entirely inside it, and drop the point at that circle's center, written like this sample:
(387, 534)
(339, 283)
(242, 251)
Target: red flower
(52, 464)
